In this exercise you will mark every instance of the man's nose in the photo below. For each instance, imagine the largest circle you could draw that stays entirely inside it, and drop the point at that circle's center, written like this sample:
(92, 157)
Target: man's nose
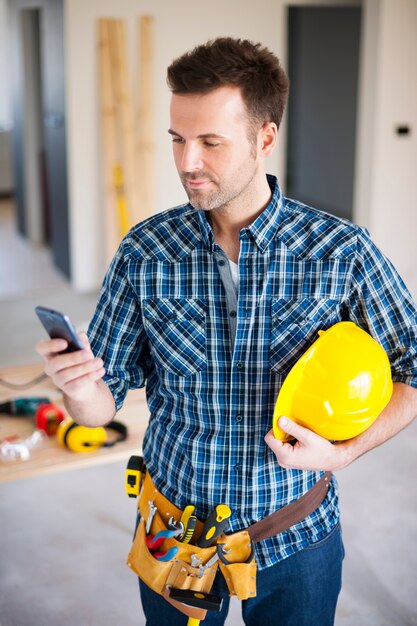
(191, 160)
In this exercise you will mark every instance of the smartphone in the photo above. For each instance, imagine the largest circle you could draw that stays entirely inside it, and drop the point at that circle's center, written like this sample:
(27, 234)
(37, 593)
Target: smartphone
(59, 326)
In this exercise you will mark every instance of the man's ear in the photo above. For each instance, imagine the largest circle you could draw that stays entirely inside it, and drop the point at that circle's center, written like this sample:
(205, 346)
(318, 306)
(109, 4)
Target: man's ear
(268, 138)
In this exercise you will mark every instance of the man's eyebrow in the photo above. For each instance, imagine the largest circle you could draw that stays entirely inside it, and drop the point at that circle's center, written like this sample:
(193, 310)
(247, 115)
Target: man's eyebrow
(202, 136)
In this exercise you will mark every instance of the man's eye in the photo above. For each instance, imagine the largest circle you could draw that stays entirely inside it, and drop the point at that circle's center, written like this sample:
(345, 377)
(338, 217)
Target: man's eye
(177, 140)
(209, 144)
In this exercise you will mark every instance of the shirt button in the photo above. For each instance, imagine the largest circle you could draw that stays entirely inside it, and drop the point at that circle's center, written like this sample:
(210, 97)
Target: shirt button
(237, 467)
(221, 262)
(232, 313)
(239, 365)
(239, 418)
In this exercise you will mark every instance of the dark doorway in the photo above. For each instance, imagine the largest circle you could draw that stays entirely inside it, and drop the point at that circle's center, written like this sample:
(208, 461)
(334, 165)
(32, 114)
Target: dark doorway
(323, 53)
(39, 134)
(35, 220)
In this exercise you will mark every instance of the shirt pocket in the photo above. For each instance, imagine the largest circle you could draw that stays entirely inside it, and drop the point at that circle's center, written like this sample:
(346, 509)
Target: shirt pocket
(294, 327)
(176, 328)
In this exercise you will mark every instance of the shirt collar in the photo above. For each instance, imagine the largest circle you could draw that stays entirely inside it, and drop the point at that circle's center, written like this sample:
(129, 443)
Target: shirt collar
(206, 230)
(263, 229)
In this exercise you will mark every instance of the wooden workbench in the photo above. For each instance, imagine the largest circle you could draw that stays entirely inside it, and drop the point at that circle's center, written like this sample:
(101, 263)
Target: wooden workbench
(50, 456)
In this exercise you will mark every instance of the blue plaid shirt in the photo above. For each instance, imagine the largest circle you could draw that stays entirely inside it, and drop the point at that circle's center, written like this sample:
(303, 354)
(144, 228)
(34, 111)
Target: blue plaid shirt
(213, 363)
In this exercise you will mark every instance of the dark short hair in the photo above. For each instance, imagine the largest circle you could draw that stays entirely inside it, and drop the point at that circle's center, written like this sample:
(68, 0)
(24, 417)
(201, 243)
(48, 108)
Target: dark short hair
(238, 63)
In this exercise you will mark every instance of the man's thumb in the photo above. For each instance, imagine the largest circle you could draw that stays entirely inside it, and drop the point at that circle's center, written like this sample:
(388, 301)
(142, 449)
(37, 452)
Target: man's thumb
(292, 428)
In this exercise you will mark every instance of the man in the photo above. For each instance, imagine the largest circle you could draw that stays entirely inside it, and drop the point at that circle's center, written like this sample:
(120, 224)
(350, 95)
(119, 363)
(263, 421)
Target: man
(210, 304)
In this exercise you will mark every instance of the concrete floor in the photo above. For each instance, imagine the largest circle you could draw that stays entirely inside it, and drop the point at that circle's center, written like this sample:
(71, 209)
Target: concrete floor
(65, 537)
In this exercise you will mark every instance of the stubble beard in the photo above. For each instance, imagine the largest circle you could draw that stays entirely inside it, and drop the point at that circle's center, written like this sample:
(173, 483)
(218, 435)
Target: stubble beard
(221, 197)
(203, 200)
(200, 199)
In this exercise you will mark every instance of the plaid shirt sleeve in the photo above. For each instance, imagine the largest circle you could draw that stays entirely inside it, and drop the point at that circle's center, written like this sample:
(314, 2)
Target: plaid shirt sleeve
(116, 332)
(380, 302)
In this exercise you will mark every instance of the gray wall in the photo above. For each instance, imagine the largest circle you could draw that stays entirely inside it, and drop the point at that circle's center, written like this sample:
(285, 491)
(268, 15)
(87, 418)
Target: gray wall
(323, 60)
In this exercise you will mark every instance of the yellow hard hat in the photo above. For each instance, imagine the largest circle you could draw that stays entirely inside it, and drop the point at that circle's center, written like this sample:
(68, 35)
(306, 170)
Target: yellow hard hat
(338, 387)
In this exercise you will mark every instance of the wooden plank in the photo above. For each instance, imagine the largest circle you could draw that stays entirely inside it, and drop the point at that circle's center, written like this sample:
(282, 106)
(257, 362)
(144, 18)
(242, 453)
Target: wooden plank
(128, 148)
(109, 140)
(50, 457)
(145, 117)
(124, 116)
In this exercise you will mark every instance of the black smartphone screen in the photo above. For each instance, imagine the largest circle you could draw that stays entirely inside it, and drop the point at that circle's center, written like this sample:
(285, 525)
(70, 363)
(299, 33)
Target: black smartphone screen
(59, 326)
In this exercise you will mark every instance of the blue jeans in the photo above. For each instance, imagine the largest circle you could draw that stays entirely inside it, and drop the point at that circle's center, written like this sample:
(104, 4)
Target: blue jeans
(301, 590)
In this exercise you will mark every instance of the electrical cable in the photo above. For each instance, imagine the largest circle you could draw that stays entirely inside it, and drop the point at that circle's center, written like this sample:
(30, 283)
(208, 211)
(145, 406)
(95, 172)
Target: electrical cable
(27, 385)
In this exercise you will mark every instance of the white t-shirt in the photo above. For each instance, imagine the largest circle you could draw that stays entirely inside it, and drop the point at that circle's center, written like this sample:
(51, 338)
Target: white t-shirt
(235, 273)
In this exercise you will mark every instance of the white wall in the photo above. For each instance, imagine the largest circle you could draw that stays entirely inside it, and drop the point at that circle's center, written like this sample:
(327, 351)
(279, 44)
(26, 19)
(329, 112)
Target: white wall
(386, 190)
(394, 187)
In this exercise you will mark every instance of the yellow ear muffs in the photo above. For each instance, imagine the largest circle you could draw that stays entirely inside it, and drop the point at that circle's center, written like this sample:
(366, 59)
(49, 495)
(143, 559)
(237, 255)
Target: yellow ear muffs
(84, 439)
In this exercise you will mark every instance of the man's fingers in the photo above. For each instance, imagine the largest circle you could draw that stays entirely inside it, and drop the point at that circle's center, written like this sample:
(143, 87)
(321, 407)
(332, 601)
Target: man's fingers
(77, 384)
(274, 443)
(309, 452)
(291, 428)
(68, 374)
(84, 339)
(295, 430)
(72, 372)
(50, 347)
(56, 363)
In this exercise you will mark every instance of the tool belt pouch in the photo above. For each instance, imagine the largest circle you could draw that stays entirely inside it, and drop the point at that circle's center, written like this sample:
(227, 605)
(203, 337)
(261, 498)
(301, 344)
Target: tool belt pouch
(178, 573)
(239, 570)
(240, 576)
(153, 573)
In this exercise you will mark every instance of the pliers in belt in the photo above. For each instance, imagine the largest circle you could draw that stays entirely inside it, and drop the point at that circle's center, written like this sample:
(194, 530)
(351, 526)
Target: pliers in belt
(153, 543)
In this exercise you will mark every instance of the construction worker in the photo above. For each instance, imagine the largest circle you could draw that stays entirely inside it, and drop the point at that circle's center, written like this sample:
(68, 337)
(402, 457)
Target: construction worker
(209, 305)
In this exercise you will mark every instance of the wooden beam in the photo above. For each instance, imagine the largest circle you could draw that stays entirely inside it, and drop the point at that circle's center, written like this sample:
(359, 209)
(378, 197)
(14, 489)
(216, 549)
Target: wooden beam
(128, 171)
(118, 133)
(108, 140)
(145, 117)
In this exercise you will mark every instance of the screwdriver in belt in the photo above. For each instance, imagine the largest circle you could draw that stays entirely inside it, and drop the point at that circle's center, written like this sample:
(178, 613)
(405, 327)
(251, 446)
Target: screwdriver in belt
(189, 522)
(214, 525)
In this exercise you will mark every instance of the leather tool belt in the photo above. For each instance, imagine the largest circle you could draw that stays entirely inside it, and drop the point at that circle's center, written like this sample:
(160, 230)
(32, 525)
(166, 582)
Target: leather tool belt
(239, 571)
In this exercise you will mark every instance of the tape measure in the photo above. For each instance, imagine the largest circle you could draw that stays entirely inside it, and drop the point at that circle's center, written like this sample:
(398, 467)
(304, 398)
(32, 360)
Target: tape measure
(133, 476)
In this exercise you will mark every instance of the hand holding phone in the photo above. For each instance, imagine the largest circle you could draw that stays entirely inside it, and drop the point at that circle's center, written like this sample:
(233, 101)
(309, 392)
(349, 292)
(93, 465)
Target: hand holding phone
(78, 374)
(59, 326)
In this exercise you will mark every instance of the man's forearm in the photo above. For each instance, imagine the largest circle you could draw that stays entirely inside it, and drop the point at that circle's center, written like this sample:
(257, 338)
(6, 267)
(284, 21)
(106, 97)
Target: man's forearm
(312, 452)
(96, 409)
(399, 413)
